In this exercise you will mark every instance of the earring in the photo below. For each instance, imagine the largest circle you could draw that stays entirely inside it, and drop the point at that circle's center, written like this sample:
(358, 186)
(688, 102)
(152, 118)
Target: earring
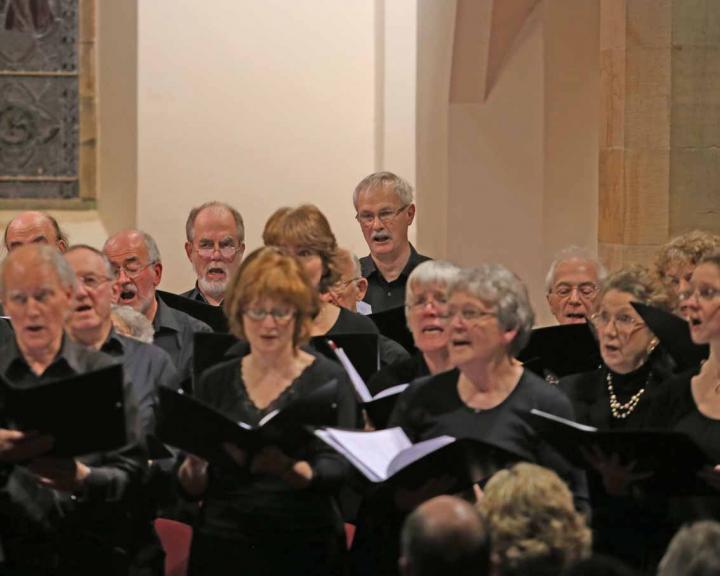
(653, 344)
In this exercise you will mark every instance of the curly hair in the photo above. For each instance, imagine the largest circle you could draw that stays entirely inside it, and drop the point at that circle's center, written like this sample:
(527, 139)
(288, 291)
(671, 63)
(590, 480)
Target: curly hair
(688, 248)
(644, 287)
(534, 526)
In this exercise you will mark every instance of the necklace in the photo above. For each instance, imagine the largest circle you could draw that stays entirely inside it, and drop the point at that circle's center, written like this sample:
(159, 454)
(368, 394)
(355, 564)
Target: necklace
(617, 408)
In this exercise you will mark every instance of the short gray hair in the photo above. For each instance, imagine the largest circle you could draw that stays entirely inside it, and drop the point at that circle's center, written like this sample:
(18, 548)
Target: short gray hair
(48, 255)
(573, 253)
(427, 273)
(498, 287)
(152, 248)
(402, 188)
(109, 268)
(138, 325)
(190, 223)
(693, 551)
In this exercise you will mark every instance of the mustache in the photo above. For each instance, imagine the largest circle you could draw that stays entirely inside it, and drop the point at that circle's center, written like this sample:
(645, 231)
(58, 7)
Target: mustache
(380, 235)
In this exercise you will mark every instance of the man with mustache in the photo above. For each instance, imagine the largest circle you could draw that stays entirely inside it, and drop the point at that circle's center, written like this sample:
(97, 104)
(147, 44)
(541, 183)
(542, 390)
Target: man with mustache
(385, 210)
(572, 283)
(215, 244)
(136, 259)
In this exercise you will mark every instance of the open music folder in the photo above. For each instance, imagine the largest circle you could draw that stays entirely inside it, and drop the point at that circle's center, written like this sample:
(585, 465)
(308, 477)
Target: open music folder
(84, 413)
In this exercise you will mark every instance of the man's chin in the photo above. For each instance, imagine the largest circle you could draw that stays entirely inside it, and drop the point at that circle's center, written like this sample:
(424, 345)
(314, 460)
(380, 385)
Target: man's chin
(214, 289)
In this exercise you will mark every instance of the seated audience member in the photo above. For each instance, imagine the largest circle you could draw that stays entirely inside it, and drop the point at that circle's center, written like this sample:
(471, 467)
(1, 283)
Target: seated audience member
(425, 310)
(385, 210)
(215, 244)
(534, 527)
(572, 283)
(131, 323)
(59, 516)
(305, 233)
(445, 536)
(136, 258)
(347, 292)
(34, 227)
(677, 259)
(146, 367)
(694, 551)
(269, 511)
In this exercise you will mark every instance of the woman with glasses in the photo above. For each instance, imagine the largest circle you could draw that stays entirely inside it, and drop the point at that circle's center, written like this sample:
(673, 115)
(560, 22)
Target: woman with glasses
(425, 311)
(620, 395)
(269, 512)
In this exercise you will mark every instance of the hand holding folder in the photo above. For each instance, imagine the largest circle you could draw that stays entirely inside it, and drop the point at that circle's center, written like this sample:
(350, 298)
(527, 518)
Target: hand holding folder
(188, 424)
(83, 414)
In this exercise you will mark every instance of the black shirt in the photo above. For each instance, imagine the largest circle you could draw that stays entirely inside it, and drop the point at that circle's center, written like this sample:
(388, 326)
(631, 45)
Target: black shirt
(174, 333)
(195, 294)
(43, 530)
(402, 372)
(381, 294)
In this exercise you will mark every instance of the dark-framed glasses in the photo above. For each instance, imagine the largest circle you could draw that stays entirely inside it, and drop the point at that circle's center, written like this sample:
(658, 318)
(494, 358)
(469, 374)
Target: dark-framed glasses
(385, 215)
(280, 314)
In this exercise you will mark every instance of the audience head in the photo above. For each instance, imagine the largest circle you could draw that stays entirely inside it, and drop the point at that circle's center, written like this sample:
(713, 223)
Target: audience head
(136, 260)
(702, 298)
(350, 287)
(445, 536)
(572, 283)
(36, 288)
(534, 527)
(215, 244)
(131, 323)
(625, 340)
(90, 315)
(489, 314)
(694, 551)
(304, 232)
(34, 227)
(426, 304)
(677, 259)
(270, 301)
(385, 210)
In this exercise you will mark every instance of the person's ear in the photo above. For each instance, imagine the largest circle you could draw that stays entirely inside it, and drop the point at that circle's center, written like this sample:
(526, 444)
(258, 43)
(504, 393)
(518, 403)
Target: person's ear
(411, 213)
(158, 269)
(362, 287)
(188, 250)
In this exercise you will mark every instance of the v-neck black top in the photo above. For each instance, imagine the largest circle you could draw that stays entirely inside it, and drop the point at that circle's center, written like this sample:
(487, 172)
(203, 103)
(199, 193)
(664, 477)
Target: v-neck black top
(241, 505)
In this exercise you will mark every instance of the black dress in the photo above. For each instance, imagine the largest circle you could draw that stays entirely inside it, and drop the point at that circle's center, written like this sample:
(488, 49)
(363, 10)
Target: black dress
(256, 524)
(402, 372)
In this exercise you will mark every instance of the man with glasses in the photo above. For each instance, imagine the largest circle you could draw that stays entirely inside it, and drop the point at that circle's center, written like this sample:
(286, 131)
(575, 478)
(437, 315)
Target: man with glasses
(136, 259)
(385, 211)
(572, 284)
(215, 245)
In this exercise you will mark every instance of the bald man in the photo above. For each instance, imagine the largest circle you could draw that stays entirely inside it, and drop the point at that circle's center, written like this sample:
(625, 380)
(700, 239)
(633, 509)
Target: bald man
(443, 536)
(33, 227)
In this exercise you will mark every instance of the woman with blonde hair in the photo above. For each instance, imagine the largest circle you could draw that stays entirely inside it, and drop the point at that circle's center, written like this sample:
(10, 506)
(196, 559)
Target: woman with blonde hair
(271, 511)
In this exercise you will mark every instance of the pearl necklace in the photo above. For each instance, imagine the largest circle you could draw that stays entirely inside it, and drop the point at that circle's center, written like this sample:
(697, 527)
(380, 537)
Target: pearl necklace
(618, 409)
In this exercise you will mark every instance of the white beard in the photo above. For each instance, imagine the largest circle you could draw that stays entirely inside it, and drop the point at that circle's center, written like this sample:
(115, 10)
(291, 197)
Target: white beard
(214, 289)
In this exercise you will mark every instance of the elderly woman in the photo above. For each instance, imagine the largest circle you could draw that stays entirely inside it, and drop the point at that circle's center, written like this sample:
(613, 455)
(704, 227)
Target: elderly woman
(425, 310)
(677, 259)
(271, 512)
(305, 233)
(519, 500)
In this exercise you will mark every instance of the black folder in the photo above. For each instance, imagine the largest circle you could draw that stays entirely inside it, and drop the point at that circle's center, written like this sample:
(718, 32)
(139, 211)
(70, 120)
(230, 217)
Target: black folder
(674, 335)
(84, 414)
(672, 457)
(362, 349)
(393, 324)
(381, 406)
(213, 316)
(194, 427)
(465, 461)
(556, 351)
(211, 348)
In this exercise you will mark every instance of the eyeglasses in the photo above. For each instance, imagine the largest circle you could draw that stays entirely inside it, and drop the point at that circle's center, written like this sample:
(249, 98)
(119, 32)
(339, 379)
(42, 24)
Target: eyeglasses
(132, 269)
(385, 216)
(704, 293)
(468, 314)
(40, 296)
(93, 282)
(342, 285)
(422, 301)
(584, 290)
(226, 248)
(280, 315)
(624, 323)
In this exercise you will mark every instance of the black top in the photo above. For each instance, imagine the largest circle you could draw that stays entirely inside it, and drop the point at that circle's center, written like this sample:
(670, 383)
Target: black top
(195, 294)
(238, 505)
(6, 331)
(382, 294)
(349, 322)
(432, 407)
(402, 372)
(174, 333)
(41, 527)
